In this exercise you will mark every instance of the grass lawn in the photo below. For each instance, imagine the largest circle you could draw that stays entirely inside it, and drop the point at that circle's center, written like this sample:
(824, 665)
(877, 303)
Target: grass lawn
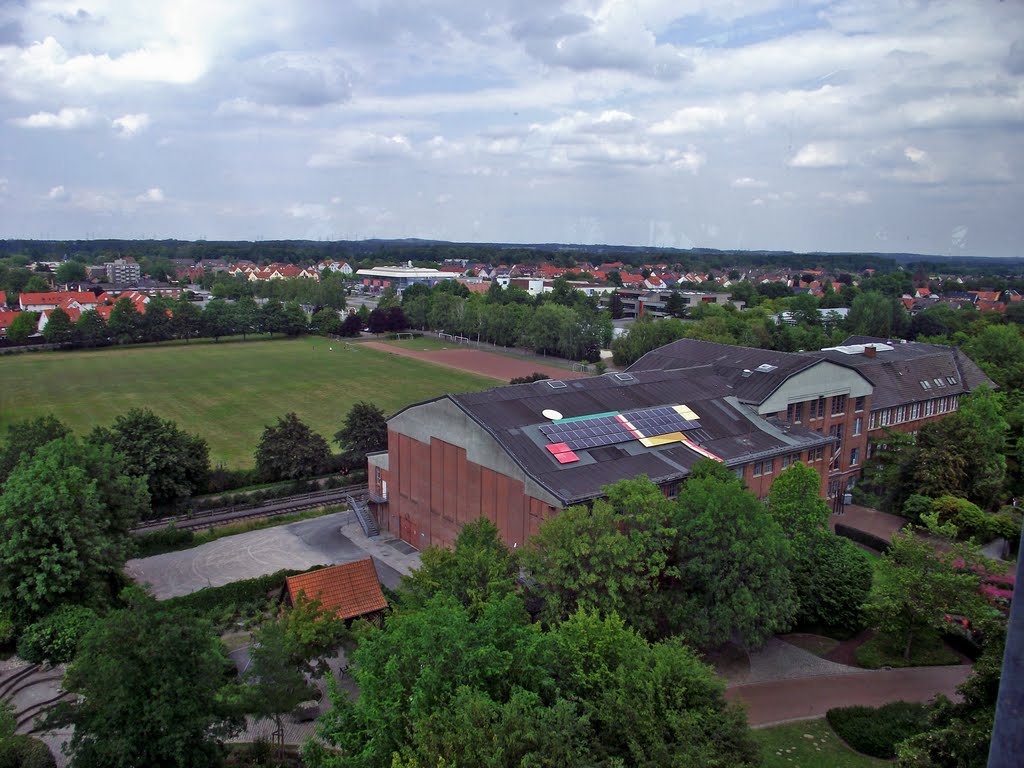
(926, 652)
(226, 392)
(809, 744)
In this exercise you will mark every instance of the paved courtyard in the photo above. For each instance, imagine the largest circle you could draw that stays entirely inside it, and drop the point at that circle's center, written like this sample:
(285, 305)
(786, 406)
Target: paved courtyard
(328, 540)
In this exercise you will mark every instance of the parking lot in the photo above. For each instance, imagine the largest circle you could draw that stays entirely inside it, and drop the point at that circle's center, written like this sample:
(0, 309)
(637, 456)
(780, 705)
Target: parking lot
(327, 540)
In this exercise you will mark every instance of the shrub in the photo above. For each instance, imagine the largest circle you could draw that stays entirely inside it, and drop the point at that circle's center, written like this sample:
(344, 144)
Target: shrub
(529, 379)
(835, 585)
(916, 506)
(970, 520)
(167, 540)
(25, 752)
(6, 630)
(876, 731)
(55, 638)
(1005, 525)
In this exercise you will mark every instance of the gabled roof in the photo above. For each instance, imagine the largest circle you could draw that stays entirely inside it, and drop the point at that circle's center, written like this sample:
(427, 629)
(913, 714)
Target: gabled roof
(728, 429)
(350, 590)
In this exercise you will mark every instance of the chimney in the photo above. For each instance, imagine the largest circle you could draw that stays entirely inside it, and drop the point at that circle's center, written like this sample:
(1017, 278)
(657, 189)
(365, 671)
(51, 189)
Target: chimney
(869, 350)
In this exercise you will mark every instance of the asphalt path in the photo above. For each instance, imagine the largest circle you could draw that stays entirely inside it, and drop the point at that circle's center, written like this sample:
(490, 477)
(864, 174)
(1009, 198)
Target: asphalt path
(298, 546)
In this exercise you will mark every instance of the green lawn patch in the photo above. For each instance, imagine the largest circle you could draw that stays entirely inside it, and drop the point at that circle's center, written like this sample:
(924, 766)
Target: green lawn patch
(878, 652)
(226, 392)
(808, 744)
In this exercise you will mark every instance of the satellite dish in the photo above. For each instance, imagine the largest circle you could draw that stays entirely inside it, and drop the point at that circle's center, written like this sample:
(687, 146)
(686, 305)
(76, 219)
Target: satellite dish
(548, 413)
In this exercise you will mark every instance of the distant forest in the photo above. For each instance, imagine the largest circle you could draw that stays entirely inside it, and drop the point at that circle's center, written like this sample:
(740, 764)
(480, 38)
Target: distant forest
(426, 252)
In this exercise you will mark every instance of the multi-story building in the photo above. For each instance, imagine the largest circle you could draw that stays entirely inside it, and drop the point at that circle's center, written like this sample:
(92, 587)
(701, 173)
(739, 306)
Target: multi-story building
(518, 454)
(637, 302)
(123, 271)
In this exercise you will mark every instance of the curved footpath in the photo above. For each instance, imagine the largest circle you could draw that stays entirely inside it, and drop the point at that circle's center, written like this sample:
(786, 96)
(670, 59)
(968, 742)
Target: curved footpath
(804, 698)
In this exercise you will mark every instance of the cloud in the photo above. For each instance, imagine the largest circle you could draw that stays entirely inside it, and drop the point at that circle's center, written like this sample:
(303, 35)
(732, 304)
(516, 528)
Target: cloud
(691, 120)
(820, 155)
(855, 197)
(746, 182)
(151, 195)
(315, 211)
(294, 78)
(361, 147)
(130, 125)
(68, 118)
(59, 194)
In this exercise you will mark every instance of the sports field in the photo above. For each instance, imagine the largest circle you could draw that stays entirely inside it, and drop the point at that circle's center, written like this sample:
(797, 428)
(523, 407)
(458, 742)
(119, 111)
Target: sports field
(226, 392)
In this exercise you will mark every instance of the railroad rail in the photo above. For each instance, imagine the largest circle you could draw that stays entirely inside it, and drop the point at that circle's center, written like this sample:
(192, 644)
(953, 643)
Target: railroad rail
(235, 512)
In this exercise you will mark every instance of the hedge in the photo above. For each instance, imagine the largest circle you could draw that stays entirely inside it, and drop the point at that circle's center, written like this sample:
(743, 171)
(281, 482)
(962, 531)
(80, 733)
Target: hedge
(876, 731)
(25, 752)
(877, 543)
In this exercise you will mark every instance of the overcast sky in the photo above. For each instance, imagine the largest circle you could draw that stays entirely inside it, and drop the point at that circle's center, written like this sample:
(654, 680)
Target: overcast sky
(781, 124)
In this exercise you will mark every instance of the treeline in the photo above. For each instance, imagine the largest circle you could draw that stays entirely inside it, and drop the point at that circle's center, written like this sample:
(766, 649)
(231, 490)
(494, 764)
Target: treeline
(563, 322)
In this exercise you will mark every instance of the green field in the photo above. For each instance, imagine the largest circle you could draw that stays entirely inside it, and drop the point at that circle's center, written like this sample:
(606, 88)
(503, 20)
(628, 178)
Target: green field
(226, 392)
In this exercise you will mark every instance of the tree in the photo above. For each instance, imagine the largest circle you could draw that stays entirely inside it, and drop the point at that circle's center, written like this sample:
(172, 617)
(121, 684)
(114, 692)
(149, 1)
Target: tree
(37, 284)
(70, 272)
(352, 326)
(290, 450)
(365, 431)
(377, 321)
(615, 306)
(832, 584)
(247, 315)
(186, 319)
(734, 563)
(294, 320)
(917, 589)
(874, 314)
(91, 329)
(218, 319)
(65, 517)
(125, 323)
(22, 326)
(675, 306)
(58, 329)
(796, 504)
(612, 557)
(326, 322)
(25, 437)
(174, 463)
(148, 681)
(479, 569)
(155, 322)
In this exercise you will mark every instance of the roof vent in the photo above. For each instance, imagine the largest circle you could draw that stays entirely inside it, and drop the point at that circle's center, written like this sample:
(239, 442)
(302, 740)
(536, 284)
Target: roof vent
(555, 384)
(766, 368)
(624, 377)
(746, 373)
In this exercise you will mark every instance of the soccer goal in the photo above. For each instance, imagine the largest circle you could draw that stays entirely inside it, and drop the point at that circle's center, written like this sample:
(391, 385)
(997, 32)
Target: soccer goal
(403, 335)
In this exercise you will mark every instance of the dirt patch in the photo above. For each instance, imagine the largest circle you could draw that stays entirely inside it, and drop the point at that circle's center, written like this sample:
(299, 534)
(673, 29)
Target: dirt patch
(845, 650)
(476, 361)
(819, 645)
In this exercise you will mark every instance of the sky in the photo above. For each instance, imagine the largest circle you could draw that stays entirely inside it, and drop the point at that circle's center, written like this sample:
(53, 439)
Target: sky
(847, 125)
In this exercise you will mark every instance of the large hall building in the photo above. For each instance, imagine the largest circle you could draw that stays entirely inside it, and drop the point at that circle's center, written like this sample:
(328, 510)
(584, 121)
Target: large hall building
(518, 454)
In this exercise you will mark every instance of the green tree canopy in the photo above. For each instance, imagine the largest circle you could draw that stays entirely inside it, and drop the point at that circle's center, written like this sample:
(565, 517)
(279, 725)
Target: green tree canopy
(125, 323)
(70, 272)
(65, 516)
(148, 681)
(58, 329)
(25, 437)
(365, 431)
(290, 450)
(174, 463)
(22, 326)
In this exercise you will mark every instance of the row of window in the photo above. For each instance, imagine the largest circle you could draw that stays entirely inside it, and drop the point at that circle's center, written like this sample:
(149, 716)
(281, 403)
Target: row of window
(767, 466)
(816, 408)
(901, 413)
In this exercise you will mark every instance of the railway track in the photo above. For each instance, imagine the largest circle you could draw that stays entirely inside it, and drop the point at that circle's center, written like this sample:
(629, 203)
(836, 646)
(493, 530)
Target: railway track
(231, 514)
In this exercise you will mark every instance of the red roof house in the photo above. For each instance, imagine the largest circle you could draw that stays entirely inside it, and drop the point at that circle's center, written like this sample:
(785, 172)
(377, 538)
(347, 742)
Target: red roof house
(350, 590)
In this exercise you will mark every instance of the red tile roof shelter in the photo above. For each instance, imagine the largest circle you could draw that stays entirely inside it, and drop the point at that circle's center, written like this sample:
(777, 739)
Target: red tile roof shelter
(350, 590)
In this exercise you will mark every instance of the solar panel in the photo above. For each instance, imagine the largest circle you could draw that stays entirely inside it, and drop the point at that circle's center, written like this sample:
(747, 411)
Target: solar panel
(581, 433)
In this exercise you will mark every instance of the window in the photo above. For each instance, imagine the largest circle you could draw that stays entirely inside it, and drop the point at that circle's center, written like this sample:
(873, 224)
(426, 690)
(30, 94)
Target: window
(739, 472)
(925, 384)
(854, 457)
(939, 382)
(874, 420)
(859, 404)
(901, 414)
(758, 466)
(915, 411)
(951, 379)
(769, 466)
(795, 412)
(929, 408)
(838, 404)
(954, 402)
(785, 461)
(858, 423)
(818, 408)
(886, 417)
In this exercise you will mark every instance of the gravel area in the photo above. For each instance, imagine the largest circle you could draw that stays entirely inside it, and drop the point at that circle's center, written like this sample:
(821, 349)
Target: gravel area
(781, 661)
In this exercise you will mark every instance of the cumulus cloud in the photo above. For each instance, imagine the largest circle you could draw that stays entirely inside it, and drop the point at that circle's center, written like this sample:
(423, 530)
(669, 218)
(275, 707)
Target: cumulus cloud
(819, 155)
(130, 125)
(691, 120)
(58, 193)
(854, 197)
(746, 182)
(296, 78)
(68, 118)
(151, 195)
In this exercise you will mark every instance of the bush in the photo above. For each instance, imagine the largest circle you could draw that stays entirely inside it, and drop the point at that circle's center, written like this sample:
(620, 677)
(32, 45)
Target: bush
(869, 540)
(529, 379)
(6, 630)
(25, 752)
(1005, 525)
(916, 506)
(876, 731)
(55, 638)
(970, 520)
(167, 540)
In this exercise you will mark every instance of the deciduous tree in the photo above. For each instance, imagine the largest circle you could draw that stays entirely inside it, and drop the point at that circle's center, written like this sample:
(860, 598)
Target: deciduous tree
(22, 326)
(365, 431)
(25, 437)
(290, 450)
